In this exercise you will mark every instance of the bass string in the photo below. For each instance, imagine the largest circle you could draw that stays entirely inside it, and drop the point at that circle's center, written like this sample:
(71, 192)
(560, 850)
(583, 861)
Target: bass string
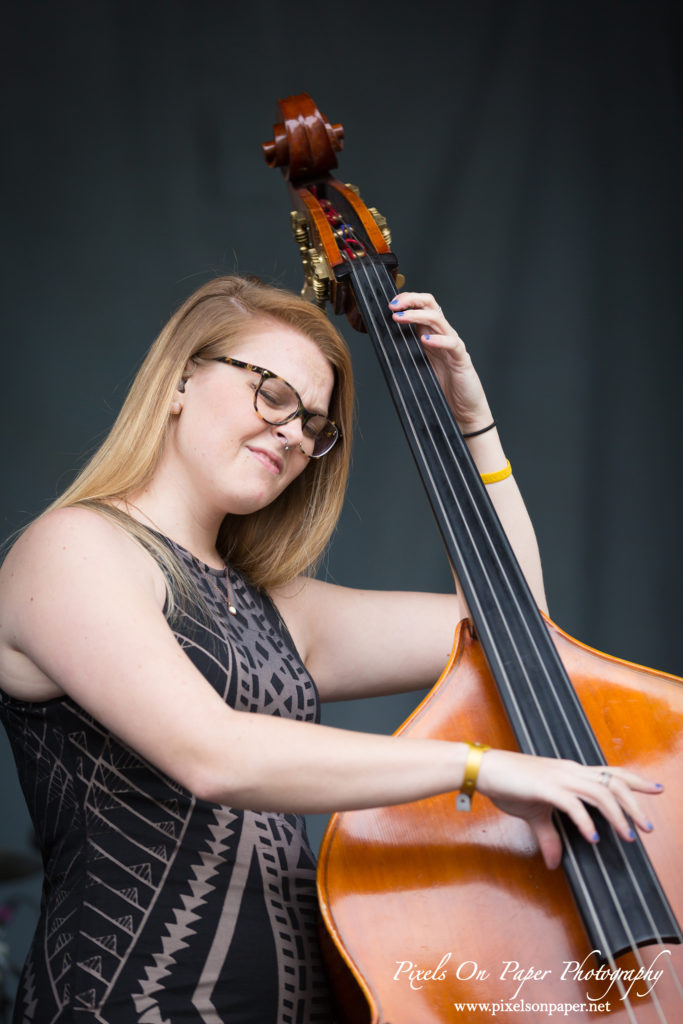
(473, 593)
(550, 678)
(627, 865)
(456, 495)
(388, 293)
(595, 914)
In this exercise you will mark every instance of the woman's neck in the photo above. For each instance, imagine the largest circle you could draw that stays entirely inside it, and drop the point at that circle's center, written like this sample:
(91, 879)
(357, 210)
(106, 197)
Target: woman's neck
(175, 521)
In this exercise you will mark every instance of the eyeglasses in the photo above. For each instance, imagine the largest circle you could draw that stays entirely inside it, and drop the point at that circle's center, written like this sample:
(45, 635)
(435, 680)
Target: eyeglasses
(276, 402)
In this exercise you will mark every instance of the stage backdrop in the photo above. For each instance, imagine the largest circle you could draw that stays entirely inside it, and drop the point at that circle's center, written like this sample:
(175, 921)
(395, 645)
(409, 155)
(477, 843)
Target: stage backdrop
(528, 157)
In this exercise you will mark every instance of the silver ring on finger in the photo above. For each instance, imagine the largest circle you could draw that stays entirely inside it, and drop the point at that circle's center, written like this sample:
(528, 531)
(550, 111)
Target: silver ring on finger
(605, 778)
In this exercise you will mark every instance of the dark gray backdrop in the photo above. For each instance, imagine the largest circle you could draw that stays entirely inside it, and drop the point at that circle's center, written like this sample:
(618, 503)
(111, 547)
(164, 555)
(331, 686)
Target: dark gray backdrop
(528, 158)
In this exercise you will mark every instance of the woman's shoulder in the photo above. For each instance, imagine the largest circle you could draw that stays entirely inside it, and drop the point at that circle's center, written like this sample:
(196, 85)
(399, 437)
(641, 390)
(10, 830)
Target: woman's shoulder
(69, 533)
(70, 566)
(64, 543)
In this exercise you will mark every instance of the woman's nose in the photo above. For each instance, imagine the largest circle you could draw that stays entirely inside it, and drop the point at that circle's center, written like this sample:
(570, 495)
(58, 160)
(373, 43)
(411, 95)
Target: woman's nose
(291, 434)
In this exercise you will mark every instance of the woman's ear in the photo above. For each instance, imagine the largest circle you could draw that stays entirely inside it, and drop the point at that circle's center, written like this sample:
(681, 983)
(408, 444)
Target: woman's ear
(177, 403)
(190, 366)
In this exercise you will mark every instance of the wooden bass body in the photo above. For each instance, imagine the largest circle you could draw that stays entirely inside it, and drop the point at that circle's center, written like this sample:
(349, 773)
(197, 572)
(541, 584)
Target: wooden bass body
(428, 910)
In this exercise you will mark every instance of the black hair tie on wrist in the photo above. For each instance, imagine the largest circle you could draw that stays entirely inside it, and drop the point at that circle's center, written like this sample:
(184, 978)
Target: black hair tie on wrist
(476, 433)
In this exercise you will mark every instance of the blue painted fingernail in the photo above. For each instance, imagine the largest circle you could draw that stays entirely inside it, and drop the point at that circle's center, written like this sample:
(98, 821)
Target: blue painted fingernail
(658, 785)
(426, 337)
(649, 826)
(631, 834)
(399, 312)
(394, 301)
(596, 837)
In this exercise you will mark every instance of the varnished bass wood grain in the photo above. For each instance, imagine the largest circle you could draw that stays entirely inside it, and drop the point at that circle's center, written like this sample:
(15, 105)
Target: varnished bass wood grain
(423, 888)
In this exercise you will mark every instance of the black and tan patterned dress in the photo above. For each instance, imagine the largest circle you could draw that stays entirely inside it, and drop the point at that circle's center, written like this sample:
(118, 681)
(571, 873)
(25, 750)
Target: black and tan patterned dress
(158, 907)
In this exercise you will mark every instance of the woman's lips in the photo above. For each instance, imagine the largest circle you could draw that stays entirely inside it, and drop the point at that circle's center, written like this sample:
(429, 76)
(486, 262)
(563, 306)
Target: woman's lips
(269, 459)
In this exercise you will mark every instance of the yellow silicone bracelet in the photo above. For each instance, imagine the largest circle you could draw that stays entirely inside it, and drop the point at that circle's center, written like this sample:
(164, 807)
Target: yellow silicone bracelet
(500, 474)
(469, 781)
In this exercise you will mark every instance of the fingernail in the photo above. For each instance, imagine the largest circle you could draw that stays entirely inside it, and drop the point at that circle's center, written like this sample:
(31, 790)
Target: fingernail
(649, 826)
(658, 785)
(596, 837)
(399, 312)
(394, 301)
(631, 834)
(426, 337)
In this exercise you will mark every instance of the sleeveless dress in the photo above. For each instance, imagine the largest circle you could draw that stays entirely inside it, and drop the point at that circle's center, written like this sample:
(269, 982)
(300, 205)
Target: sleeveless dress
(159, 908)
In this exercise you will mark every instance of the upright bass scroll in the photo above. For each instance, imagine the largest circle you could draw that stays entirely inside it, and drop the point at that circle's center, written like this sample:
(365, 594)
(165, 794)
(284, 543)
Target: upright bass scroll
(514, 680)
(304, 147)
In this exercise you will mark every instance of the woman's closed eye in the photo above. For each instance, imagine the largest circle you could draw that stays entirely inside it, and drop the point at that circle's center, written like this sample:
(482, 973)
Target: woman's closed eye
(274, 396)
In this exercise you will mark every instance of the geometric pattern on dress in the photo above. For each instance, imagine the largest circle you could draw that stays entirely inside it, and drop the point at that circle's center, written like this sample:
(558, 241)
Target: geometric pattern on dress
(180, 930)
(114, 934)
(284, 859)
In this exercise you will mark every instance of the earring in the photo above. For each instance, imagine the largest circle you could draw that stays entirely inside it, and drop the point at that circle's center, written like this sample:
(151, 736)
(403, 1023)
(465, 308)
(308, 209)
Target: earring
(175, 408)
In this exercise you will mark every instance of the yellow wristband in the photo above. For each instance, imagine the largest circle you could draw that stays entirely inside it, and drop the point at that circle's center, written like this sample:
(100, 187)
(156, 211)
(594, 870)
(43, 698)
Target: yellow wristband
(469, 781)
(500, 474)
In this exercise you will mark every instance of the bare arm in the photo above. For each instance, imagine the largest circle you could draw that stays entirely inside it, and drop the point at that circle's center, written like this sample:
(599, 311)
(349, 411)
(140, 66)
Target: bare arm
(80, 614)
(369, 643)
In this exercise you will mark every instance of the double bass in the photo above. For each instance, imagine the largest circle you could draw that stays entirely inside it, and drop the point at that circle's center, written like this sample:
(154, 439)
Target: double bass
(430, 915)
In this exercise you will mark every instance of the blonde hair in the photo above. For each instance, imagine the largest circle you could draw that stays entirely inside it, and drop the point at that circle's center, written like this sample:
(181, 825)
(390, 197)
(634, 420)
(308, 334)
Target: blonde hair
(276, 543)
